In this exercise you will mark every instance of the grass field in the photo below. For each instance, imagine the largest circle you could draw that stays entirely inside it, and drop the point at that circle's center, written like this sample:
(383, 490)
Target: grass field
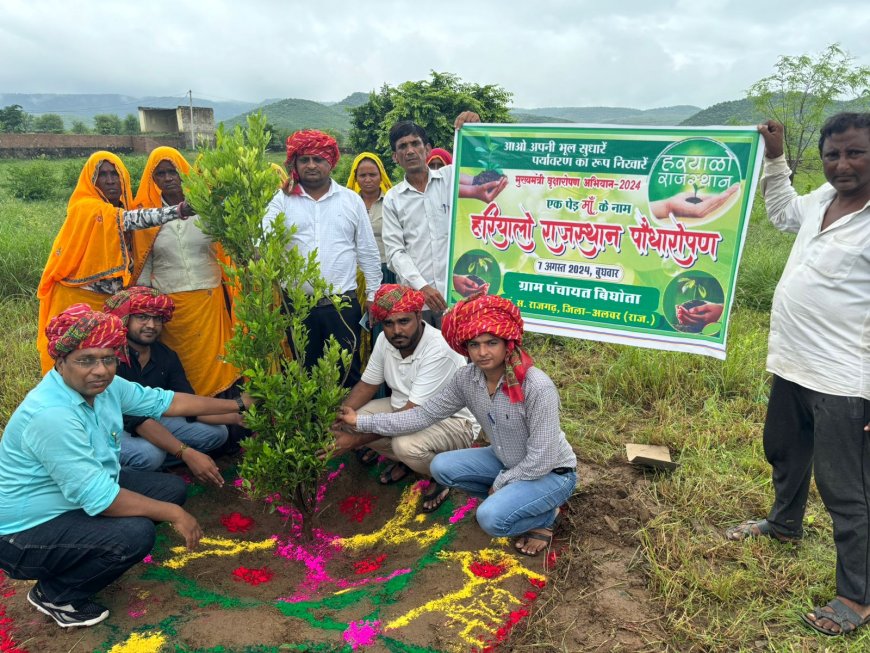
(713, 595)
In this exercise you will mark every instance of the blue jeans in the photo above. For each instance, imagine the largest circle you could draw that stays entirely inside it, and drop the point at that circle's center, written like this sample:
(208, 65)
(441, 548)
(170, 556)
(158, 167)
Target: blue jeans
(518, 507)
(74, 555)
(140, 455)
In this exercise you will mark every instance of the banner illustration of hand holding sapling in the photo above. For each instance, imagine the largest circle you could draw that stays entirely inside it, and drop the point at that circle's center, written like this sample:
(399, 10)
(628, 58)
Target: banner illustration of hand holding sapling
(620, 234)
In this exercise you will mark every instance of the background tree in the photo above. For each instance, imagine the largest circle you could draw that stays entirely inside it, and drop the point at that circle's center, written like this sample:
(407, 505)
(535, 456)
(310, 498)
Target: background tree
(13, 119)
(131, 124)
(107, 123)
(49, 123)
(805, 90)
(433, 104)
(230, 187)
(79, 127)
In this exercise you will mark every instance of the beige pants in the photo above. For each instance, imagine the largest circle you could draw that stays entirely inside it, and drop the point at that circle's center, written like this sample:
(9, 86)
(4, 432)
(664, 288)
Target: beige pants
(418, 449)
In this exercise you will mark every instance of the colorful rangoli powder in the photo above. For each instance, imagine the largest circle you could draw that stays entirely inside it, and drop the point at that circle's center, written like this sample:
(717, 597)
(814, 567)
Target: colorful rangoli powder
(369, 565)
(253, 576)
(362, 633)
(237, 523)
(357, 508)
(460, 512)
(7, 642)
(148, 642)
(486, 569)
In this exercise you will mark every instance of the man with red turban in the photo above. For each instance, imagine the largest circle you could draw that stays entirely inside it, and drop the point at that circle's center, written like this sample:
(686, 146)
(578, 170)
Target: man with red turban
(149, 444)
(530, 469)
(70, 517)
(331, 221)
(414, 360)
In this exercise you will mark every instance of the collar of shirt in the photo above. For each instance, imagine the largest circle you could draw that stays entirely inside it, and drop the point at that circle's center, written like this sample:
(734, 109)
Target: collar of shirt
(480, 378)
(424, 339)
(75, 398)
(329, 193)
(405, 186)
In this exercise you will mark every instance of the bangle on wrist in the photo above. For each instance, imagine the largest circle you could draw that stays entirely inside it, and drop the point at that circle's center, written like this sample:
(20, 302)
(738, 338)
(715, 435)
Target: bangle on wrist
(241, 405)
(178, 454)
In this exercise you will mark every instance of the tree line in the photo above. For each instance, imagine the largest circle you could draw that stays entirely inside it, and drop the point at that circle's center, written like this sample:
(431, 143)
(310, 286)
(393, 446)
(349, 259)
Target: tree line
(15, 120)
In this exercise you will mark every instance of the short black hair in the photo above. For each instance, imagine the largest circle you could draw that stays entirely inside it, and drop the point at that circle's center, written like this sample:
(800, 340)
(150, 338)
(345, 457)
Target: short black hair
(406, 128)
(841, 122)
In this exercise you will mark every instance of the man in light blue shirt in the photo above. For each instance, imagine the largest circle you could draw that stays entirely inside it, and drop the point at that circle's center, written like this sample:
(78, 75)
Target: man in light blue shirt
(69, 517)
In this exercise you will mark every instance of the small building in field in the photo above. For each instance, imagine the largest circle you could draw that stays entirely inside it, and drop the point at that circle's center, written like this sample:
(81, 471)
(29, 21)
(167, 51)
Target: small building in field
(195, 125)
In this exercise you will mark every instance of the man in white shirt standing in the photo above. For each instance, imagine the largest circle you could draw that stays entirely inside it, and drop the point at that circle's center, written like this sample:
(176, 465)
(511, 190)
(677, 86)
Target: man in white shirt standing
(819, 355)
(331, 220)
(417, 213)
(416, 362)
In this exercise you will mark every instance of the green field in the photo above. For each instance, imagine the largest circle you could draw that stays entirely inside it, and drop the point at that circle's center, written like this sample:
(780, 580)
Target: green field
(713, 595)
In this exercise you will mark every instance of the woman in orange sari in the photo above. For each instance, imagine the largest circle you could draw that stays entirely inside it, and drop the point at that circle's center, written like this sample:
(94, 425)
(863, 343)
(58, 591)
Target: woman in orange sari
(180, 261)
(92, 255)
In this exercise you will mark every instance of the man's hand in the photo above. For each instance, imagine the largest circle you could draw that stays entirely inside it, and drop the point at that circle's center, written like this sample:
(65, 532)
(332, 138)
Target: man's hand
(188, 528)
(247, 400)
(466, 286)
(680, 207)
(773, 135)
(464, 117)
(347, 416)
(344, 442)
(202, 467)
(434, 299)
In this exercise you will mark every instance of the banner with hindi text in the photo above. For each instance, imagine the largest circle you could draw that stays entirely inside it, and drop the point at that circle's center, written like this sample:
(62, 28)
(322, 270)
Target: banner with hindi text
(630, 235)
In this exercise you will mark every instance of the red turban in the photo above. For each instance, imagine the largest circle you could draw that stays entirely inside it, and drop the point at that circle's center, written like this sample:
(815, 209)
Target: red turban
(308, 141)
(81, 327)
(438, 153)
(393, 298)
(479, 314)
(140, 299)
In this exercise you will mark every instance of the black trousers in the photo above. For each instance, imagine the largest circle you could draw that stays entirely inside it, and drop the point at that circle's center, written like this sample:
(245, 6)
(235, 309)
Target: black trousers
(804, 429)
(324, 321)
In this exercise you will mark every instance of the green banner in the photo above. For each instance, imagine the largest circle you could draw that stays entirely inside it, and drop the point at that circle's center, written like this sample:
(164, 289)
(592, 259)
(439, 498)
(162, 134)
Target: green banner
(621, 234)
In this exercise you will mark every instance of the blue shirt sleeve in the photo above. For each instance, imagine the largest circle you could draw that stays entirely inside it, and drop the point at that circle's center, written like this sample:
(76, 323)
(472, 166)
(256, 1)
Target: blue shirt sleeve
(136, 399)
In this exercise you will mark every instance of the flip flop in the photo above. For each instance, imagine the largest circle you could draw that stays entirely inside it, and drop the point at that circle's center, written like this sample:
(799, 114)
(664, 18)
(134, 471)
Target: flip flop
(386, 477)
(841, 614)
(366, 456)
(532, 535)
(438, 495)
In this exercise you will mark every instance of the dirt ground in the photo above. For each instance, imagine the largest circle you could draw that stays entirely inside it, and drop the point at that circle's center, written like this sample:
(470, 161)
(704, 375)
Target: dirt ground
(375, 576)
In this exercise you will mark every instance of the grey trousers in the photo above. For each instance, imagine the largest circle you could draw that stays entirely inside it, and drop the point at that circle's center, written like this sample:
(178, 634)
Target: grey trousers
(806, 428)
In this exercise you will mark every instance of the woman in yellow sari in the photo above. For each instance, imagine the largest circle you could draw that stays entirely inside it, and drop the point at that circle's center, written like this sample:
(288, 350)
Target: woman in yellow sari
(370, 180)
(180, 261)
(92, 255)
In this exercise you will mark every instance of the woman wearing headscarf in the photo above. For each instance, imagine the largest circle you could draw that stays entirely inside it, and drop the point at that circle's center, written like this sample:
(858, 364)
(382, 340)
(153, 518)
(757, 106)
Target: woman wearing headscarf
(180, 261)
(529, 470)
(92, 255)
(438, 158)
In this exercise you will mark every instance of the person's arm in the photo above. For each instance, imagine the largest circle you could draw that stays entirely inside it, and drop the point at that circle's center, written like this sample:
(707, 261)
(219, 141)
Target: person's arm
(201, 465)
(132, 504)
(361, 394)
(188, 405)
(367, 255)
(776, 189)
(137, 219)
(434, 371)
(545, 435)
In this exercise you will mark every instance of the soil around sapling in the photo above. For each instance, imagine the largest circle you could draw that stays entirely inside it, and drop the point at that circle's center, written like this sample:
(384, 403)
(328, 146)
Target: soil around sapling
(485, 177)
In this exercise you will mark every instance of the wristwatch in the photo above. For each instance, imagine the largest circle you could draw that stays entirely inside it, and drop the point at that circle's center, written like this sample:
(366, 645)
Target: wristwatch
(241, 404)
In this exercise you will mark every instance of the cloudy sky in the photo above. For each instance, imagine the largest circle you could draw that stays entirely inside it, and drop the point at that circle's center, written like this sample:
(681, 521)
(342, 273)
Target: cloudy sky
(636, 53)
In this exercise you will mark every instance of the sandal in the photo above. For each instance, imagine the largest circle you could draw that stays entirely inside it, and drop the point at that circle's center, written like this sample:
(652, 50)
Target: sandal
(438, 495)
(366, 456)
(841, 614)
(756, 528)
(387, 475)
(535, 535)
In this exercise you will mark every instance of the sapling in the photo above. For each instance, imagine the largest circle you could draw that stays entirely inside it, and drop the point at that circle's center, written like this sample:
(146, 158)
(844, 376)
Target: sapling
(230, 186)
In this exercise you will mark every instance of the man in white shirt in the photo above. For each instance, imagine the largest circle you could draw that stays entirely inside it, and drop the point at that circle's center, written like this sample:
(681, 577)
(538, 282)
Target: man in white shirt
(417, 213)
(819, 354)
(416, 362)
(331, 220)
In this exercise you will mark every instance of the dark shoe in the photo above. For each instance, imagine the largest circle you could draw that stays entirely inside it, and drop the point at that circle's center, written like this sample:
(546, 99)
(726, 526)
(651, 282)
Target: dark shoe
(756, 528)
(438, 494)
(82, 613)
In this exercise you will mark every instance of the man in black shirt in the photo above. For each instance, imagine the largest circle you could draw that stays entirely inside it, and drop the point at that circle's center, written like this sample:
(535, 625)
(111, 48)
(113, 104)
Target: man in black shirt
(148, 444)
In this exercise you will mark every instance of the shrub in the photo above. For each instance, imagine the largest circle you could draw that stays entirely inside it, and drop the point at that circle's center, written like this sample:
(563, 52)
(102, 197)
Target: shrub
(32, 181)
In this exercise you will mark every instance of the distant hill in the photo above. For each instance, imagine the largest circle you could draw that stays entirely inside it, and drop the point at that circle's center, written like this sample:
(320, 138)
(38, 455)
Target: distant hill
(519, 116)
(742, 112)
(293, 113)
(351, 101)
(84, 106)
(615, 115)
